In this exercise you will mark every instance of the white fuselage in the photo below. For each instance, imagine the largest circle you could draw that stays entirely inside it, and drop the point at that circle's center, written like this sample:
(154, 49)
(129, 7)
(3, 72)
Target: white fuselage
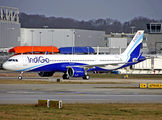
(35, 62)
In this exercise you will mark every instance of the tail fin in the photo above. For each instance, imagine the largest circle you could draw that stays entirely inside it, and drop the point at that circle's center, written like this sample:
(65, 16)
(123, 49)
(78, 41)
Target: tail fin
(133, 48)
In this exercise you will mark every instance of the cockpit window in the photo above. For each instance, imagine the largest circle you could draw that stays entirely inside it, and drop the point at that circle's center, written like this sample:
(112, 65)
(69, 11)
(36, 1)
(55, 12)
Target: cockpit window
(10, 60)
(14, 60)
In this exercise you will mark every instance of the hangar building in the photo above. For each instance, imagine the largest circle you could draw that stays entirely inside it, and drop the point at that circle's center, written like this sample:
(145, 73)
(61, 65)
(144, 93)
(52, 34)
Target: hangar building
(9, 31)
(9, 27)
(60, 37)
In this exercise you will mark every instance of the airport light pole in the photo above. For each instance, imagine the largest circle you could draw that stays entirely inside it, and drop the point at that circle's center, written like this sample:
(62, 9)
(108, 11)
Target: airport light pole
(52, 40)
(46, 31)
(32, 40)
(73, 35)
(88, 50)
(40, 38)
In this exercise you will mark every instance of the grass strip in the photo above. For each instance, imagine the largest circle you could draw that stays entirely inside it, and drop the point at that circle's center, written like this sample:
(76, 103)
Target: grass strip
(81, 111)
(130, 76)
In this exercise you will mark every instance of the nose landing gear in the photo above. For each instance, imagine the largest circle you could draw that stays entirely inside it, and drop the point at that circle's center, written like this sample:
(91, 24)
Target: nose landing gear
(20, 76)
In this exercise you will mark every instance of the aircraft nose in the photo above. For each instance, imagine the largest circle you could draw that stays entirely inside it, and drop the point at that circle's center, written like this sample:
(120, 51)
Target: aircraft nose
(9, 66)
(5, 66)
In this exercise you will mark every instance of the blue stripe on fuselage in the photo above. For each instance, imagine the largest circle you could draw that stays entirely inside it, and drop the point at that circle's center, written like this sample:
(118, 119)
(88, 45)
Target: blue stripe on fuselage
(60, 67)
(31, 68)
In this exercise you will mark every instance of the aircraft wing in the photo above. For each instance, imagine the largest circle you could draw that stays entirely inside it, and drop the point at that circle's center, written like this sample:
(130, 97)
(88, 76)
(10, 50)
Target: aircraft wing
(87, 67)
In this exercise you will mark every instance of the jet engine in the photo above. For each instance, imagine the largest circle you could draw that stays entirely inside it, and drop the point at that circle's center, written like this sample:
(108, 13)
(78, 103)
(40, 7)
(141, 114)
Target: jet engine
(45, 74)
(75, 72)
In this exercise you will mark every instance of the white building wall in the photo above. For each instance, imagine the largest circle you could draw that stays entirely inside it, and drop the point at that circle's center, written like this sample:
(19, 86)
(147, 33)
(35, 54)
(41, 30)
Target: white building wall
(88, 37)
(155, 64)
(117, 42)
(46, 37)
(143, 65)
(149, 66)
(60, 37)
(158, 63)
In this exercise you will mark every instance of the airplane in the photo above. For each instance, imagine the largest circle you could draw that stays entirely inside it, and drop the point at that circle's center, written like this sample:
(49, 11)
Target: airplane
(73, 65)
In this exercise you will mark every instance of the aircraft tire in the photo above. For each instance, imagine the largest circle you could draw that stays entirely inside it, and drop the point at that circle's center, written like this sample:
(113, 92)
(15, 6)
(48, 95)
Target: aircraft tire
(65, 76)
(86, 77)
(20, 77)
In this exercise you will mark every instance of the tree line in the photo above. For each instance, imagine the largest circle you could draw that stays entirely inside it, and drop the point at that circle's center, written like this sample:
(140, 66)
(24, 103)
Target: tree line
(108, 25)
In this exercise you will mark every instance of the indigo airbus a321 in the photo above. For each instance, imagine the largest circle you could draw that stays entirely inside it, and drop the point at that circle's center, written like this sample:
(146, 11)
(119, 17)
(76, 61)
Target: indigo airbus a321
(76, 65)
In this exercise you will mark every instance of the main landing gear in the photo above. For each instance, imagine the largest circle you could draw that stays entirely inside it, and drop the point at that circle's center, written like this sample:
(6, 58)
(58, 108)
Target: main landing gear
(20, 76)
(65, 76)
(86, 77)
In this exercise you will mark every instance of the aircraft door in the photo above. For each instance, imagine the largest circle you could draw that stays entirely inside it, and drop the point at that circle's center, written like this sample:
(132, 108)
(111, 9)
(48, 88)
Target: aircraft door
(25, 61)
(96, 60)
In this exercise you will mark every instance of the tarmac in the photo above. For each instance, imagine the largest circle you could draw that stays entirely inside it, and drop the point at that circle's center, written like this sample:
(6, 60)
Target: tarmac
(113, 91)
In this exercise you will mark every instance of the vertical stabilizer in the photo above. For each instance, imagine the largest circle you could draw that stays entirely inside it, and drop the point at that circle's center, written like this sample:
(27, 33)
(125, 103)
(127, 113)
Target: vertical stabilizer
(133, 48)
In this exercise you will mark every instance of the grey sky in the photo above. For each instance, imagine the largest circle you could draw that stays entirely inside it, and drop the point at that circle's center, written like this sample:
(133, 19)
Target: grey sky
(122, 10)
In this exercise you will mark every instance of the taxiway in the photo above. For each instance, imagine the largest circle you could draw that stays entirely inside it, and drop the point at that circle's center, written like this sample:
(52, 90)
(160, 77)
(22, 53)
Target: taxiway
(81, 93)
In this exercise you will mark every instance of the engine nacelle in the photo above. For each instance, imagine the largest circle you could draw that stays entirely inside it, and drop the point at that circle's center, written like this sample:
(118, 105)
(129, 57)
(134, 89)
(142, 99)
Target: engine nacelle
(45, 74)
(75, 72)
